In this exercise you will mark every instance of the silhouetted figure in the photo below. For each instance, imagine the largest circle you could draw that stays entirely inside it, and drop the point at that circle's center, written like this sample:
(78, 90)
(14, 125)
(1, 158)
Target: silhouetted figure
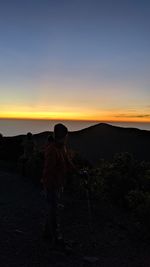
(57, 164)
(29, 149)
(29, 146)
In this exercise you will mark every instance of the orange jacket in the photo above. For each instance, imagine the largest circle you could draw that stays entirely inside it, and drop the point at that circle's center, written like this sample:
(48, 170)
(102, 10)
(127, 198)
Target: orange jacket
(56, 166)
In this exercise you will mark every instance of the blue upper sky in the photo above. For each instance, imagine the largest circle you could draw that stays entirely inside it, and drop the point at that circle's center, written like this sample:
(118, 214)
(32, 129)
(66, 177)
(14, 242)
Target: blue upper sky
(88, 57)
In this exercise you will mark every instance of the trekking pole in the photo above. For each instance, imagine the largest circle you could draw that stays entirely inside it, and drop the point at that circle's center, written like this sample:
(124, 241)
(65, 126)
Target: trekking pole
(86, 179)
(86, 184)
(86, 176)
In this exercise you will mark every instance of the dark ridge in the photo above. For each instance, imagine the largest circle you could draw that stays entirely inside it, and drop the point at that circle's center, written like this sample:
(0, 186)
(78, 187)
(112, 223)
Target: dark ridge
(104, 140)
(93, 143)
(106, 126)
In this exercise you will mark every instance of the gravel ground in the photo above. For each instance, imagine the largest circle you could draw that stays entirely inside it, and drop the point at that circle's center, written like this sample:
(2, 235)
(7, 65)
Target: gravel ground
(22, 214)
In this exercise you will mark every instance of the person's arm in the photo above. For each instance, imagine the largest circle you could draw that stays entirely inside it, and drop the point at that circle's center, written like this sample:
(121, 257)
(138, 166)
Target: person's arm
(71, 166)
(49, 167)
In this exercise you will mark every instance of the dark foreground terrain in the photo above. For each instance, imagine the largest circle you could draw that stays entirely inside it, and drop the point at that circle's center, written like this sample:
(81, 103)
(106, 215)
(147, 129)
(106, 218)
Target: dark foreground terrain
(22, 210)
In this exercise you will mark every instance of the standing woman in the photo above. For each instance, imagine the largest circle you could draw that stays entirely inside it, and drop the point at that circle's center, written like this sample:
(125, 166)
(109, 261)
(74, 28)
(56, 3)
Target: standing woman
(57, 164)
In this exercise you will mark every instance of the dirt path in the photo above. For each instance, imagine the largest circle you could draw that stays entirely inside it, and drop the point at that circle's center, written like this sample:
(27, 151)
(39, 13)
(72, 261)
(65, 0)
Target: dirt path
(22, 210)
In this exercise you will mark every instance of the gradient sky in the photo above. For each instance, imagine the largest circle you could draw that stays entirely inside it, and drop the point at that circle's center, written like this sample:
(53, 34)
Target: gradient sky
(75, 59)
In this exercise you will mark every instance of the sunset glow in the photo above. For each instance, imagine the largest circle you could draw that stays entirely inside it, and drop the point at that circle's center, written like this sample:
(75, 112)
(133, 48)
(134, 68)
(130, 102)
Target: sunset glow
(74, 61)
(88, 116)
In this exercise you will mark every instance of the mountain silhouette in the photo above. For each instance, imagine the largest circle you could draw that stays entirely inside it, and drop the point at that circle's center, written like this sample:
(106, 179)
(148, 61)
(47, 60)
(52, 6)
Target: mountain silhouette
(104, 140)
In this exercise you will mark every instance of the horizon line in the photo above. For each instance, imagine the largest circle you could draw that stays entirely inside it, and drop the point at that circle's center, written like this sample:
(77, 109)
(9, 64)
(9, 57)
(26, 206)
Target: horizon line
(78, 120)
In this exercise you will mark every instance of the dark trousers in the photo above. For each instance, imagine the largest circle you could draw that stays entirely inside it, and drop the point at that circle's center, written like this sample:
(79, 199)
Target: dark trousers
(54, 212)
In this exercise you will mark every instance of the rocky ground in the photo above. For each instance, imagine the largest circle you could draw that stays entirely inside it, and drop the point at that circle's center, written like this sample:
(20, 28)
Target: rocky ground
(22, 214)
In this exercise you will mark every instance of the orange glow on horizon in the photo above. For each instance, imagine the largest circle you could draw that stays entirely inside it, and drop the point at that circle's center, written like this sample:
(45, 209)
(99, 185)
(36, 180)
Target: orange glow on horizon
(73, 116)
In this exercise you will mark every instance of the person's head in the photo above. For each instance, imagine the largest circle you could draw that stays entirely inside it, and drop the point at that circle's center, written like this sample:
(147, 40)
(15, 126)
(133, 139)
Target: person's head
(29, 136)
(60, 133)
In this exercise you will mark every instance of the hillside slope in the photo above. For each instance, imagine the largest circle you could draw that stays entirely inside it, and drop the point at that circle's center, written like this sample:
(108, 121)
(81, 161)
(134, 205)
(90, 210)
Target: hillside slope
(104, 140)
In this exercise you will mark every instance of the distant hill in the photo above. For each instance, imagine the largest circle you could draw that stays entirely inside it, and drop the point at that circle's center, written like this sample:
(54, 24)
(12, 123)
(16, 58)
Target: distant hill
(93, 143)
(104, 140)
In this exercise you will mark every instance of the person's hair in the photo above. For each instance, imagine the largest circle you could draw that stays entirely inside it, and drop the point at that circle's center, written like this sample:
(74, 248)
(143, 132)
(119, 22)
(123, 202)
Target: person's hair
(29, 136)
(60, 131)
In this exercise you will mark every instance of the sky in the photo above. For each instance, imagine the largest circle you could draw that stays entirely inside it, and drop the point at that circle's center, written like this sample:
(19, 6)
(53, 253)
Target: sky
(75, 59)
